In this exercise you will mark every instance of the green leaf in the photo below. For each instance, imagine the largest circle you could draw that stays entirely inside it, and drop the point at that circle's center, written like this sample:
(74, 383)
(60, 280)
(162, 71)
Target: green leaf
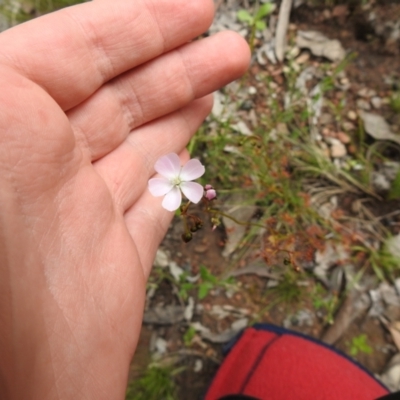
(189, 335)
(264, 10)
(206, 275)
(244, 16)
(184, 289)
(204, 288)
(261, 25)
(359, 344)
(394, 192)
(204, 272)
(353, 351)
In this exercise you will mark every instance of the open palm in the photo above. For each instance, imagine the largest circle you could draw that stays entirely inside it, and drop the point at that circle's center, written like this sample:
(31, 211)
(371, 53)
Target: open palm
(90, 97)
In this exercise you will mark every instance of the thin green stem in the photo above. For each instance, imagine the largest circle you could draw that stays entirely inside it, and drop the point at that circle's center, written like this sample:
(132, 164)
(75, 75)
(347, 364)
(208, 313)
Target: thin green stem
(218, 213)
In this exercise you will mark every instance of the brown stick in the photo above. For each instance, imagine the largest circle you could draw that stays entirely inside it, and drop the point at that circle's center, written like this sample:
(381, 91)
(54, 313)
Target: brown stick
(281, 29)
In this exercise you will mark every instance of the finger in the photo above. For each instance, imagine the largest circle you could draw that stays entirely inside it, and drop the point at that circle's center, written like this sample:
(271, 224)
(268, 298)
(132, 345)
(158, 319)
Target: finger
(148, 222)
(158, 88)
(73, 52)
(128, 168)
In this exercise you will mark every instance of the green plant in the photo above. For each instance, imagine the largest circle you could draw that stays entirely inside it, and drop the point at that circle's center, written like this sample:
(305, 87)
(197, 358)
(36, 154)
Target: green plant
(384, 264)
(359, 345)
(394, 192)
(288, 290)
(207, 282)
(395, 101)
(325, 302)
(256, 22)
(156, 383)
(189, 335)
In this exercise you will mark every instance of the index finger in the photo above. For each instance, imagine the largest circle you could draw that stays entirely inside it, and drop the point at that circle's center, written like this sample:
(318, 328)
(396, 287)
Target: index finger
(73, 52)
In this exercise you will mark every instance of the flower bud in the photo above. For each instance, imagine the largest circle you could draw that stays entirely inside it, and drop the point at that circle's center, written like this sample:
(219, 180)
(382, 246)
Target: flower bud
(187, 237)
(209, 192)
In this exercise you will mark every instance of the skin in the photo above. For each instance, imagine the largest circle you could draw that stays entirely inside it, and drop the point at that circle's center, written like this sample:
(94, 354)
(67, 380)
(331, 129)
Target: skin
(90, 97)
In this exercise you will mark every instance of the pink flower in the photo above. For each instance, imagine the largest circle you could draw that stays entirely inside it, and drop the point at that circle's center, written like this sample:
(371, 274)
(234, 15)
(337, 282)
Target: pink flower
(176, 178)
(209, 192)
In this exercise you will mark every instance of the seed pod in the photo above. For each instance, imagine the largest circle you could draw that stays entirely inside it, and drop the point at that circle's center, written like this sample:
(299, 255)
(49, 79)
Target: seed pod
(187, 237)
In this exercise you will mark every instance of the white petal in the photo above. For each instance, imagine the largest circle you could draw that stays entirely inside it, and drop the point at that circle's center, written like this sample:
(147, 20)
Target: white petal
(168, 166)
(172, 200)
(159, 186)
(193, 169)
(192, 190)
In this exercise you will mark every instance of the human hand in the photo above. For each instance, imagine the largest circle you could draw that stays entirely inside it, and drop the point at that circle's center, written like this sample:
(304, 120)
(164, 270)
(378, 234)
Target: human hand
(91, 96)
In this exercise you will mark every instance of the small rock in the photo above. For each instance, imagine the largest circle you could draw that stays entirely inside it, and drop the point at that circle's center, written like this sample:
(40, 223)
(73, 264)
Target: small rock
(320, 45)
(300, 319)
(376, 126)
(219, 312)
(343, 137)
(327, 14)
(247, 105)
(344, 81)
(365, 92)
(161, 345)
(198, 365)
(363, 104)
(338, 149)
(252, 90)
(352, 115)
(325, 119)
(240, 324)
(242, 128)
(393, 246)
(228, 334)
(391, 375)
(175, 270)
(273, 85)
(164, 315)
(326, 132)
(348, 126)
(343, 84)
(265, 53)
(380, 181)
(293, 52)
(282, 129)
(199, 327)
(218, 106)
(376, 102)
(162, 259)
(302, 58)
(189, 310)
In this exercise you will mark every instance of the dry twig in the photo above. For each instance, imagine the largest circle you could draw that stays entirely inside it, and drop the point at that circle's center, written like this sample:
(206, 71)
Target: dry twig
(283, 23)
